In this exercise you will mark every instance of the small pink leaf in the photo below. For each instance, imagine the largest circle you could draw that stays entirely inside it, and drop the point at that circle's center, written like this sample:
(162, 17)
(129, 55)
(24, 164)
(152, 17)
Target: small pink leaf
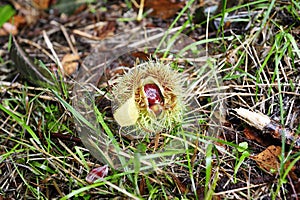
(97, 173)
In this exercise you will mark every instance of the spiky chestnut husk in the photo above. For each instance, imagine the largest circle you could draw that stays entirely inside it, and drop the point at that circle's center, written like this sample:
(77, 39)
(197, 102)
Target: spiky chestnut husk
(149, 98)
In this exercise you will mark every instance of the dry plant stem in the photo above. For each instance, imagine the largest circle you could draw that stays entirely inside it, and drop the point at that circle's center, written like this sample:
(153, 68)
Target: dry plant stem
(63, 29)
(86, 35)
(239, 189)
(30, 42)
(6, 121)
(50, 46)
(263, 122)
(141, 9)
(20, 86)
(71, 152)
(58, 162)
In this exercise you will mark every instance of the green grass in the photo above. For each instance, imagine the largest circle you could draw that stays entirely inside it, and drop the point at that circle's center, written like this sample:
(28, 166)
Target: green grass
(6, 12)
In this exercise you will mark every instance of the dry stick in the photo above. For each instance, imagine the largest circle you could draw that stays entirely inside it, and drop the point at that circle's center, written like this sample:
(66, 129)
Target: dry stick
(239, 189)
(100, 24)
(70, 152)
(19, 86)
(36, 45)
(66, 137)
(57, 188)
(263, 122)
(86, 35)
(50, 46)
(29, 111)
(6, 120)
(206, 33)
(63, 29)
(141, 9)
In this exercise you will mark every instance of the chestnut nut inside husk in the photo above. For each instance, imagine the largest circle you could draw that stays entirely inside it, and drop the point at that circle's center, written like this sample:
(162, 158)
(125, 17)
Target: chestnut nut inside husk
(149, 98)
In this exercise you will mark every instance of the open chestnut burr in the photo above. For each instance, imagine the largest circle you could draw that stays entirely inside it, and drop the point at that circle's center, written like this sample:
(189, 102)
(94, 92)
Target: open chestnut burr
(149, 97)
(153, 99)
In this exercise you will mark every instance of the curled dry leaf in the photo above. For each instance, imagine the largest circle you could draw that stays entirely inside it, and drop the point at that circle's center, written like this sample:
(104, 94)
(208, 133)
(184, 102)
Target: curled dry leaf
(18, 20)
(97, 173)
(181, 186)
(142, 186)
(70, 63)
(251, 135)
(107, 30)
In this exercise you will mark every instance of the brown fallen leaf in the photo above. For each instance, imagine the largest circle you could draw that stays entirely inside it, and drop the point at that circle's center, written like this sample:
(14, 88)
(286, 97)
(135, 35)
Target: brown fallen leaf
(70, 63)
(268, 159)
(142, 186)
(253, 135)
(107, 30)
(181, 187)
(41, 4)
(163, 9)
(18, 20)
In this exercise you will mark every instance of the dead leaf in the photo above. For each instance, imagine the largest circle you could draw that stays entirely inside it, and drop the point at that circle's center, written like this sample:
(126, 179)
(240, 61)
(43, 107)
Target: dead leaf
(70, 63)
(41, 4)
(264, 123)
(268, 159)
(106, 30)
(181, 187)
(80, 9)
(251, 135)
(142, 186)
(163, 9)
(26, 12)
(297, 187)
(141, 55)
(256, 119)
(254, 136)
(18, 20)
